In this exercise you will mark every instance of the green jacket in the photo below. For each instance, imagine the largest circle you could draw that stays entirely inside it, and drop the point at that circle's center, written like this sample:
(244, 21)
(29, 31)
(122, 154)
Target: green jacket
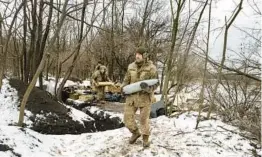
(99, 77)
(134, 74)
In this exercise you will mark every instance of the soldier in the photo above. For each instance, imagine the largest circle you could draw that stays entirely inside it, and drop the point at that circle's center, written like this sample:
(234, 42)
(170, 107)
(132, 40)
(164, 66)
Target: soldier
(100, 75)
(141, 69)
(99, 63)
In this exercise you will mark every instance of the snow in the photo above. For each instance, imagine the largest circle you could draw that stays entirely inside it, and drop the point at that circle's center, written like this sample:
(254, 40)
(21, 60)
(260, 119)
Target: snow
(170, 137)
(76, 102)
(50, 84)
(79, 115)
(85, 83)
(94, 109)
(9, 105)
(166, 140)
(158, 97)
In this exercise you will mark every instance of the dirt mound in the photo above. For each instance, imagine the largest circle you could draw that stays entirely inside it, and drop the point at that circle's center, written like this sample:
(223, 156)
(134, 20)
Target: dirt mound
(104, 121)
(55, 119)
(51, 117)
(39, 100)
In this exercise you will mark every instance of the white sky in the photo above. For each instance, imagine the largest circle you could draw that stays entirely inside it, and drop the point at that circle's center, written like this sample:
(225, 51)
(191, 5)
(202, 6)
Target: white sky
(221, 8)
(246, 18)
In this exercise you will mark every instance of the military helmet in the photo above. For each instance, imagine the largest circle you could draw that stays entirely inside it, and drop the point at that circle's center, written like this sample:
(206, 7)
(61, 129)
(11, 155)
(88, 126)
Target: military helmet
(141, 50)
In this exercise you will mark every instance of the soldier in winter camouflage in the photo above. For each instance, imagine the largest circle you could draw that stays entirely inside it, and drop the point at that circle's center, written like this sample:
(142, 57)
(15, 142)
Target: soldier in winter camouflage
(141, 69)
(100, 75)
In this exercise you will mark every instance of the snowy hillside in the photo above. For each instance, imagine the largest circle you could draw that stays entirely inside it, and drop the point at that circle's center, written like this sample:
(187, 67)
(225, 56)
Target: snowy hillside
(174, 137)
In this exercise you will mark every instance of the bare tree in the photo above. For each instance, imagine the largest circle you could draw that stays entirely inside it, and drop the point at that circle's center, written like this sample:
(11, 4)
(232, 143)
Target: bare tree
(180, 70)
(201, 96)
(5, 46)
(227, 26)
(175, 23)
(41, 66)
(24, 68)
(76, 53)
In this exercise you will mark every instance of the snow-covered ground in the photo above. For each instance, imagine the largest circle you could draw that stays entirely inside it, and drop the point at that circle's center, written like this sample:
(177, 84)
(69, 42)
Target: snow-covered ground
(170, 137)
(93, 109)
(9, 108)
(174, 137)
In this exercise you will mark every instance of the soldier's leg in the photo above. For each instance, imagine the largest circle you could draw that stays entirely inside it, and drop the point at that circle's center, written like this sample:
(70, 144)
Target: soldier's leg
(103, 93)
(144, 122)
(100, 93)
(129, 117)
(130, 123)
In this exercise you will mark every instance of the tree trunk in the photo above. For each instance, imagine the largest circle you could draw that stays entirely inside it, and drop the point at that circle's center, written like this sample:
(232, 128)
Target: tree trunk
(32, 49)
(141, 31)
(5, 47)
(180, 71)
(41, 65)
(171, 52)
(111, 61)
(162, 78)
(39, 52)
(58, 66)
(47, 68)
(212, 105)
(201, 97)
(70, 69)
(25, 69)
(1, 50)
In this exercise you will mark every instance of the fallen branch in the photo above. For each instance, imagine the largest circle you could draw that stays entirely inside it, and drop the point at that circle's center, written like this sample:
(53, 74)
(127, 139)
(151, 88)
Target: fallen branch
(217, 144)
(180, 133)
(195, 145)
(170, 149)
(238, 133)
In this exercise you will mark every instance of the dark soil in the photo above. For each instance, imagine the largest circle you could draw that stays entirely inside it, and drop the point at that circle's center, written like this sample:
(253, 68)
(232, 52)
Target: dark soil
(39, 100)
(4, 148)
(103, 121)
(57, 120)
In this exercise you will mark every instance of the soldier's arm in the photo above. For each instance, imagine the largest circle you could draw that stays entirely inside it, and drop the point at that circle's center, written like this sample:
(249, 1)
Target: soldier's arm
(107, 78)
(94, 76)
(153, 75)
(127, 79)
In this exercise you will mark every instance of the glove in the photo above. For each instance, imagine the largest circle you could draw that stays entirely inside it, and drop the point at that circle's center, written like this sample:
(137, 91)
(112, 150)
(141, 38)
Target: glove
(121, 90)
(145, 88)
(95, 84)
(115, 84)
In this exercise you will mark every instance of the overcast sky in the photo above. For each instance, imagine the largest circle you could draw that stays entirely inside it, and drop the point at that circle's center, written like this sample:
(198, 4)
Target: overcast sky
(247, 18)
(221, 8)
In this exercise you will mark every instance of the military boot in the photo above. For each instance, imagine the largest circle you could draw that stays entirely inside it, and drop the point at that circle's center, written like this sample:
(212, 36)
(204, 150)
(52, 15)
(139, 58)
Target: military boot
(146, 142)
(135, 135)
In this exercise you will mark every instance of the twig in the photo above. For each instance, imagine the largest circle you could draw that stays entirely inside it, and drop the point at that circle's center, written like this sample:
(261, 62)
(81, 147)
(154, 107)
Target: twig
(195, 145)
(238, 133)
(170, 149)
(182, 133)
(217, 144)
